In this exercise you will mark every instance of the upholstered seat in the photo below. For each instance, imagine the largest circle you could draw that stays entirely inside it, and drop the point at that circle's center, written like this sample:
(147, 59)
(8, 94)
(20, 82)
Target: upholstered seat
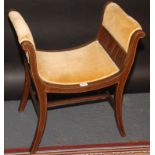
(81, 65)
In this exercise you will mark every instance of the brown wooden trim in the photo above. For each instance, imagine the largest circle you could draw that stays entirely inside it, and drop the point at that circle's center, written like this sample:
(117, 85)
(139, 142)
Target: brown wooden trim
(34, 100)
(77, 100)
(139, 34)
(115, 51)
(77, 89)
(26, 90)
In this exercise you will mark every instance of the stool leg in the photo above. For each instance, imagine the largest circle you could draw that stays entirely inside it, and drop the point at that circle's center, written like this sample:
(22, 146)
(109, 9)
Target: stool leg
(26, 91)
(118, 107)
(42, 117)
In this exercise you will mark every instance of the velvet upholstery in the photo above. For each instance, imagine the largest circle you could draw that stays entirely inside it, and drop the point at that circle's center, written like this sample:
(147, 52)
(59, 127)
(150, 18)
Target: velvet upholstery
(76, 66)
(82, 65)
(120, 25)
(21, 27)
(41, 38)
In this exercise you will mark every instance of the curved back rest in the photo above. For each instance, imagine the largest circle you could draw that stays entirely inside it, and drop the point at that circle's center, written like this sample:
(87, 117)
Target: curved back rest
(22, 30)
(119, 24)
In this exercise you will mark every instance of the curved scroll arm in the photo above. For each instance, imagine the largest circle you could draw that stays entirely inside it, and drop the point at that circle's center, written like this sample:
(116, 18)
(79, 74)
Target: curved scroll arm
(22, 30)
(26, 41)
(119, 24)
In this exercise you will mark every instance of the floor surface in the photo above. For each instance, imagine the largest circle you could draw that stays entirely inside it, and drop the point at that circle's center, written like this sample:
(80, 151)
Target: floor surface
(92, 123)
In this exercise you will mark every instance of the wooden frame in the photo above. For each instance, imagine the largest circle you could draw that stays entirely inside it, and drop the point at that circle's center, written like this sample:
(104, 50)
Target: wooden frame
(40, 90)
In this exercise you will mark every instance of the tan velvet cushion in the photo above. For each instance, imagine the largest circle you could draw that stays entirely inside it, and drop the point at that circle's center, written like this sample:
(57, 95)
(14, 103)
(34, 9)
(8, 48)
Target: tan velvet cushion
(21, 28)
(119, 24)
(83, 65)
